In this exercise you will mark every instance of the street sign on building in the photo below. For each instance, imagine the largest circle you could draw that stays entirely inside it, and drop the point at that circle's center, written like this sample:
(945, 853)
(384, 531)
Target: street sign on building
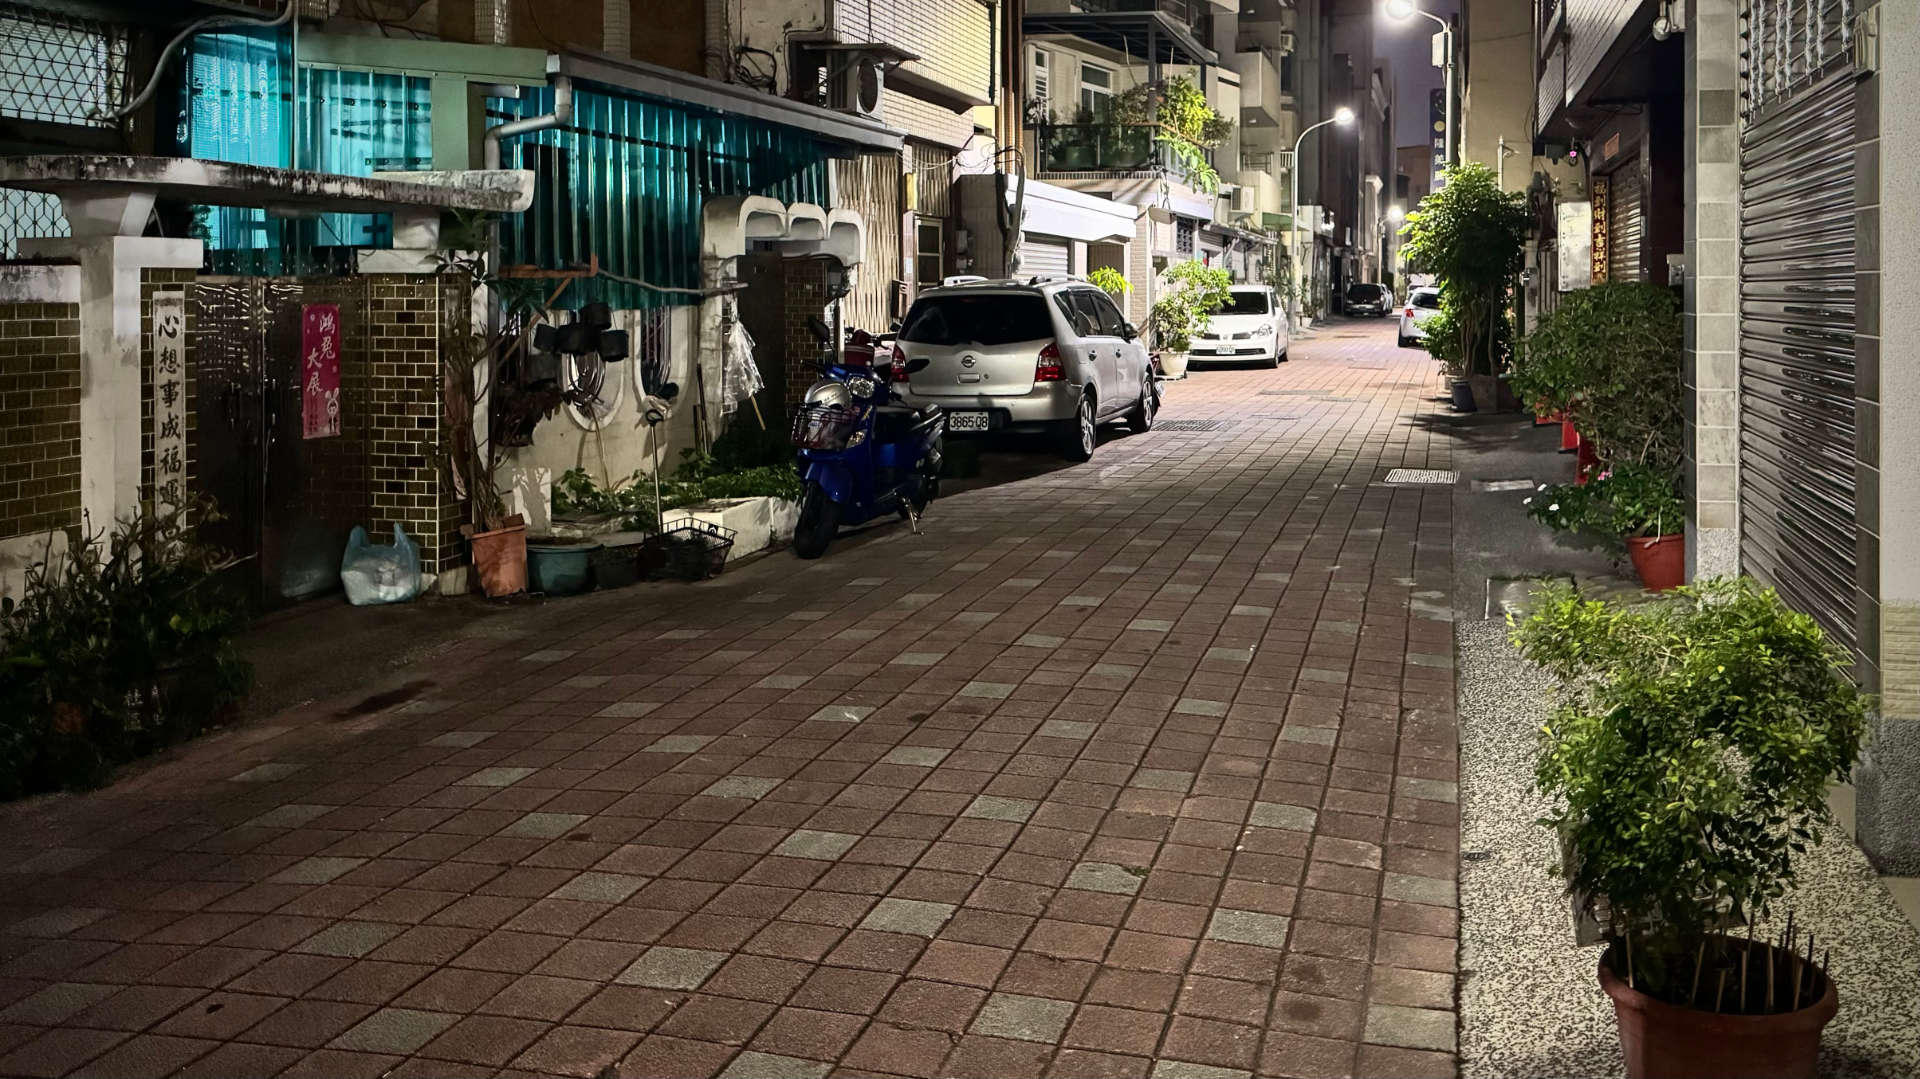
(1437, 116)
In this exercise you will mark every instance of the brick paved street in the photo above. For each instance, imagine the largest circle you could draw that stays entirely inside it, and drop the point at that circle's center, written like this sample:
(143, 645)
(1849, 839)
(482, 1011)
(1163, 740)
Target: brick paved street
(1142, 767)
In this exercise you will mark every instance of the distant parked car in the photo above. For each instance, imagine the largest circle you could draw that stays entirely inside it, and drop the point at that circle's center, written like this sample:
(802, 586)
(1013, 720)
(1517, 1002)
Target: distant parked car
(1251, 326)
(1045, 354)
(1422, 305)
(1369, 300)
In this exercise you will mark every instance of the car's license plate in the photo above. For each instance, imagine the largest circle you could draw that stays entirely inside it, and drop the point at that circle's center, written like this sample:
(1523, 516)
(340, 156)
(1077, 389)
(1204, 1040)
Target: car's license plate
(967, 421)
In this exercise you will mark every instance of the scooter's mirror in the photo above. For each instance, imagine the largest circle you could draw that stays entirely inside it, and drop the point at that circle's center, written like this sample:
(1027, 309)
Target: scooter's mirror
(918, 364)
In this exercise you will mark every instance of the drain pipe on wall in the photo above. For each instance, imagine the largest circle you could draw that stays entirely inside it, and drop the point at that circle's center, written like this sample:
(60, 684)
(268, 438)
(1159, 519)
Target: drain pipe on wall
(561, 115)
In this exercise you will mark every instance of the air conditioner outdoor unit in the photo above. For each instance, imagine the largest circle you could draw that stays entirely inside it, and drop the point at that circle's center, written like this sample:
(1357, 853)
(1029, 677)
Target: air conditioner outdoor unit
(1245, 200)
(1286, 41)
(857, 85)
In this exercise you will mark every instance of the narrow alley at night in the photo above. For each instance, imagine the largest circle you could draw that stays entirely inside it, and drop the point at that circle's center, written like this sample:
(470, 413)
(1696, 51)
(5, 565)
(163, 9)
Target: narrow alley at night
(1168, 539)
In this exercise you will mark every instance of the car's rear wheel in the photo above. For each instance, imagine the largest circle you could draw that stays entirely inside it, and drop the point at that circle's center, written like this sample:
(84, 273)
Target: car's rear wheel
(1140, 421)
(1405, 341)
(1079, 436)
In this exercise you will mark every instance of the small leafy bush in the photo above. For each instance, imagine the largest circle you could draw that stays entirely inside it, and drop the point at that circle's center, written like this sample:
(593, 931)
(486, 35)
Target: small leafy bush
(1631, 500)
(1688, 762)
(1112, 282)
(1610, 357)
(121, 647)
(699, 478)
(1194, 291)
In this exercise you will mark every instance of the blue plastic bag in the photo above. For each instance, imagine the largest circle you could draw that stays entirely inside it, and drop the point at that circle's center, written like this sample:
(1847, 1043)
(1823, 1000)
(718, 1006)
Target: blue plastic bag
(377, 573)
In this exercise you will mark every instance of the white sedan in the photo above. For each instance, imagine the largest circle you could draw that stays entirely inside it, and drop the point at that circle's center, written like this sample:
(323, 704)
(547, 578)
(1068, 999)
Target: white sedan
(1422, 305)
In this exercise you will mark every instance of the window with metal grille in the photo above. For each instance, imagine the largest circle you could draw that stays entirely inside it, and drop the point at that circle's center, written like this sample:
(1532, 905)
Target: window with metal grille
(27, 215)
(1183, 237)
(59, 68)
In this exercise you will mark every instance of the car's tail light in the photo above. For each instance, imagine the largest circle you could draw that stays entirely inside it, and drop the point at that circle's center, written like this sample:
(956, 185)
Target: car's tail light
(1048, 367)
(1409, 312)
(899, 364)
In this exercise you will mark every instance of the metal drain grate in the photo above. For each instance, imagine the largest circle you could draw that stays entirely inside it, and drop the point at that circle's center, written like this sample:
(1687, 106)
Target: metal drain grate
(1502, 485)
(1438, 477)
(1290, 393)
(1194, 425)
(1340, 400)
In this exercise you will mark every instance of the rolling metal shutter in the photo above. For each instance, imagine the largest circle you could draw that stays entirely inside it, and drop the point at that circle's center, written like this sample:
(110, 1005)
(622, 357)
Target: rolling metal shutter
(1626, 221)
(1797, 413)
(1045, 255)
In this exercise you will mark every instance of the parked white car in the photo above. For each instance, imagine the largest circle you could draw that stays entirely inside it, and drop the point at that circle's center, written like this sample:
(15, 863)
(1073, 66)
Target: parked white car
(1252, 326)
(1423, 304)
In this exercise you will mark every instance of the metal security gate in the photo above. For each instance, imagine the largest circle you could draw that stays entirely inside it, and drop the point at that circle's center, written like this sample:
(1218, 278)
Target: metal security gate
(1044, 255)
(286, 503)
(1626, 221)
(1797, 378)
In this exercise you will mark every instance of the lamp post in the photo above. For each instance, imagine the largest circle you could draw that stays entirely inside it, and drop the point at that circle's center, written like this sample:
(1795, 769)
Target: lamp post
(1406, 9)
(1396, 213)
(1342, 116)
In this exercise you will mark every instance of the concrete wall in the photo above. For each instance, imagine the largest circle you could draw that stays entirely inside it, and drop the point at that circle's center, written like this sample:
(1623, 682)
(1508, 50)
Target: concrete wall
(1497, 88)
(1711, 222)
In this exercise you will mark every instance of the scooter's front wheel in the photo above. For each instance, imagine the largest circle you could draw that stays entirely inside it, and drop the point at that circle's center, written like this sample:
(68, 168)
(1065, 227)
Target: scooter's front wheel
(819, 521)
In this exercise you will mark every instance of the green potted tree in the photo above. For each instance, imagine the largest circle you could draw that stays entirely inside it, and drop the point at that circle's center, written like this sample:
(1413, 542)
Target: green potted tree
(1191, 292)
(1470, 235)
(1688, 761)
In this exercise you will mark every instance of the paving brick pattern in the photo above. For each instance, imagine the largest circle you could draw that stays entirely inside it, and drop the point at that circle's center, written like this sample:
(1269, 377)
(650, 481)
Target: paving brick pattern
(1139, 768)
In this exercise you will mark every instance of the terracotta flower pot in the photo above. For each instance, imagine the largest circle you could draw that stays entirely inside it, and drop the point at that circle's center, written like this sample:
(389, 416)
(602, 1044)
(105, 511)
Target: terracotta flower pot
(1569, 438)
(1586, 461)
(500, 560)
(1661, 561)
(1664, 1041)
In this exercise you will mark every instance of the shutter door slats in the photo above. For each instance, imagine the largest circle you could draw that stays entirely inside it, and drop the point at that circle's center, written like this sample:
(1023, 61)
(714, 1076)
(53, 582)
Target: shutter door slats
(1797, 379)
(1625, 223)
(1042, 256)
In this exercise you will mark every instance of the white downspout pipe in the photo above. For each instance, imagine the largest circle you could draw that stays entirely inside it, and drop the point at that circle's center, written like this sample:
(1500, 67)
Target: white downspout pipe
(562, 114)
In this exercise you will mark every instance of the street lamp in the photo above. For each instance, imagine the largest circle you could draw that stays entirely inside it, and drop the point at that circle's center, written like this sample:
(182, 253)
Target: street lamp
(1406, 9)
(1342, 116)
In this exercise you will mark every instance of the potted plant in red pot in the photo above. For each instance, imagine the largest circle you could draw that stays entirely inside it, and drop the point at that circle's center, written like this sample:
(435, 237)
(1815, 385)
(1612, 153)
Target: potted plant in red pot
(1688, 761)
(1635, 503)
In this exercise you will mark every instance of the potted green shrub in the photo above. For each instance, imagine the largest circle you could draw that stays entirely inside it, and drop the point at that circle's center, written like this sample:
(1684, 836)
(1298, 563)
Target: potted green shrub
(1190, 292)
(1470, 234)
(1635, 503)
(1688, 761)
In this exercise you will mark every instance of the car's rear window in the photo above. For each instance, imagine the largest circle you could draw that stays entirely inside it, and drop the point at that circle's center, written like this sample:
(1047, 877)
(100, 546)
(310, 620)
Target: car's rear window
(1363, 293)
(1245, 303)
(999, 318)
(1425, 298)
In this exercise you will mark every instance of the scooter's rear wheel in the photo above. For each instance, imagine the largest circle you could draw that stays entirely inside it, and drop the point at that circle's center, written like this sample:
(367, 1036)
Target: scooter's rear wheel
(819, 521)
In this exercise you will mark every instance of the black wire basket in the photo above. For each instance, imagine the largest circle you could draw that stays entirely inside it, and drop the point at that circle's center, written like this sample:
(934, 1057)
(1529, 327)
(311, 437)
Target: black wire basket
(689, 551)
(823, 427)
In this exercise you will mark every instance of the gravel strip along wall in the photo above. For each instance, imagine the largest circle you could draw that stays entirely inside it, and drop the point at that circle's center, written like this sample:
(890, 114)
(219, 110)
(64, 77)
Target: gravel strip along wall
(1529, 1001)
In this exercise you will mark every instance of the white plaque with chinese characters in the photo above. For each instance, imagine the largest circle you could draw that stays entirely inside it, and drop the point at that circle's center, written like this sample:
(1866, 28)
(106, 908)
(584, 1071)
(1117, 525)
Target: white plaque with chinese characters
(169, 400)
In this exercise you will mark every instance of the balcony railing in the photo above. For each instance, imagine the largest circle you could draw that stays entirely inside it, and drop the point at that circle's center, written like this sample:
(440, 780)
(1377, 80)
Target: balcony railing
(1196, 14)
(1103, 148)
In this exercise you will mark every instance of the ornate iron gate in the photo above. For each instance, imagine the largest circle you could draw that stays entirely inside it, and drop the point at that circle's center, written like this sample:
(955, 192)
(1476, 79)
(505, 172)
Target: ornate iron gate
(1797, 374)
(286, 501)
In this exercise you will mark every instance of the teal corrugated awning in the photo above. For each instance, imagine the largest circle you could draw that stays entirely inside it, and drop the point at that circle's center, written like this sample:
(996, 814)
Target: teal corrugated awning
(352, 123)
(627, 179)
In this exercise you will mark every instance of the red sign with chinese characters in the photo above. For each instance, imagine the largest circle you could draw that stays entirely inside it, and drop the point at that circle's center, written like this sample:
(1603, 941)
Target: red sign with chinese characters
(319, 370)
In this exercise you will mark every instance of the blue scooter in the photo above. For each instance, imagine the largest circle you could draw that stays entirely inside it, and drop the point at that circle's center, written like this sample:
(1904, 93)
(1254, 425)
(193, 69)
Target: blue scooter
(862, 454)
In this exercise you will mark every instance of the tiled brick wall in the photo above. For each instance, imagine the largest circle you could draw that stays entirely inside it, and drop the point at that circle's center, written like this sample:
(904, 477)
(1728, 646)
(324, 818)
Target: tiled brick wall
(406, 319)
(806, 295)
(39, 417)
(152, 281)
